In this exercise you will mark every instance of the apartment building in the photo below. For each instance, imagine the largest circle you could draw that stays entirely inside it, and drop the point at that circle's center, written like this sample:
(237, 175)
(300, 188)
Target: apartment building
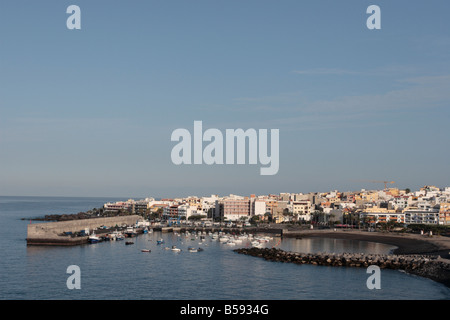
(383, 217)
(302, 209)
(233, 208)
(444, 213)
(426, 214)
(187, 210)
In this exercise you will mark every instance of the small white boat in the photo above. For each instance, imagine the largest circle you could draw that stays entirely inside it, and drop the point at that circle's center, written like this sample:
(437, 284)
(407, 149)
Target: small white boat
(146, 250)
(230, 243)
(130, 232)
(93, 238)
(257, 244)
(174, 248)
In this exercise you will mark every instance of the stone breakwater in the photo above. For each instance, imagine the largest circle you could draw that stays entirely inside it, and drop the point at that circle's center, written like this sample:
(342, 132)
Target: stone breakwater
(431, 267)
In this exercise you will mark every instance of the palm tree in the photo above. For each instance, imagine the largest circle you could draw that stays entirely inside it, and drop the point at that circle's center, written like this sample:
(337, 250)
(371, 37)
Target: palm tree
(331, 217)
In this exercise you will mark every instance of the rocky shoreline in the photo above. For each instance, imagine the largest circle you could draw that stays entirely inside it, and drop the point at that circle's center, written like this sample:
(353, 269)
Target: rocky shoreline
(432, 267)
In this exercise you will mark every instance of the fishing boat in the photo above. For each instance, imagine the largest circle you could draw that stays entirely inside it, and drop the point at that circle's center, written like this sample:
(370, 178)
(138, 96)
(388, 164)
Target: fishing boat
(129, 242)
(119, 237)
(130, 232)
(93, 238)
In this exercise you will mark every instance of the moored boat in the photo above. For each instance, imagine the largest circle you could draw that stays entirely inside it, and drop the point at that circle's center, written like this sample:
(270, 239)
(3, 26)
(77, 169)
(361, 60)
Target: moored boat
(93, 238)
(119, 237)
(130, 232)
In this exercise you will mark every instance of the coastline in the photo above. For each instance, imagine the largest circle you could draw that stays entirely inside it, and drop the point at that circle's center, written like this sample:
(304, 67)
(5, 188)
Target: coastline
(405, 243)
(437, 247)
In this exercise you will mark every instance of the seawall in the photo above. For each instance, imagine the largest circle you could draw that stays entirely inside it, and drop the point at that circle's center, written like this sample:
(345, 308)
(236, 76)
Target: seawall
(50, 233)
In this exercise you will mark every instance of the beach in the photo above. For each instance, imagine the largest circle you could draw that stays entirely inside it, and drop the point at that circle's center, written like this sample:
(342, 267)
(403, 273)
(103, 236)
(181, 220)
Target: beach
(406, 243)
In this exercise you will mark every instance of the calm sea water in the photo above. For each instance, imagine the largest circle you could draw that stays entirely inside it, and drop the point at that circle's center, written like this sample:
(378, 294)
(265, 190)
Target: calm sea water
(113, 270)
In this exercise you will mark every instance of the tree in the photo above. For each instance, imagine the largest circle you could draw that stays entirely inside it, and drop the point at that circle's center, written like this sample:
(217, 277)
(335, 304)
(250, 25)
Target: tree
(254, 219)
(268, 216)
(159, 212)
(331, 219)
(197, 217)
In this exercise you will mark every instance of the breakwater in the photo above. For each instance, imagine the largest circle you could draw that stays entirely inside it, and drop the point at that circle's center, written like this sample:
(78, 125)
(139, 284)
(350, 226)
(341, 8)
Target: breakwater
(431, 267)
(52, 233)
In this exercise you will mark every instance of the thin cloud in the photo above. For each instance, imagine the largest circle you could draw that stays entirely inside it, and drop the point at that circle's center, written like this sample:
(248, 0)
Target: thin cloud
(418, 93)
(327, 71)
(388, 71)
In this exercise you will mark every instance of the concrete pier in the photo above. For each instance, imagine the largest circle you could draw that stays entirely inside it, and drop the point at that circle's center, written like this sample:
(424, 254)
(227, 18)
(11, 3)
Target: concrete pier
(51, 233)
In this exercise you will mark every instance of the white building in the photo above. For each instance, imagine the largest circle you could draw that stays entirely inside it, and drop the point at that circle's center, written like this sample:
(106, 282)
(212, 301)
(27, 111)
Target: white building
(422, 215)
(258, 207)
(186, 210)
(384, 217)
(400, 202)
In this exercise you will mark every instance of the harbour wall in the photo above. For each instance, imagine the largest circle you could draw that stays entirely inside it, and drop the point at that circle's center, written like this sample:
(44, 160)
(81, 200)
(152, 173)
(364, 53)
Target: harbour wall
(273, 232)
(49, 233)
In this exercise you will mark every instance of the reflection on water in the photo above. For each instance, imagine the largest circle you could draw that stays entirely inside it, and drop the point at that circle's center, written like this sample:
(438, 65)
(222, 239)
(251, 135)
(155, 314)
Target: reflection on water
(311, 245)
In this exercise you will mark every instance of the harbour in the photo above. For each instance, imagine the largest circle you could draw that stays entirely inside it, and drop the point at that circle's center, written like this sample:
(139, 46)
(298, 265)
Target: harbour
(216, 272)
(76, 232)
(252, 241)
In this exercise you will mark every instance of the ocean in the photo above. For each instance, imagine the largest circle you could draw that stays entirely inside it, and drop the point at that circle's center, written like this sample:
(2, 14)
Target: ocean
(115, 271)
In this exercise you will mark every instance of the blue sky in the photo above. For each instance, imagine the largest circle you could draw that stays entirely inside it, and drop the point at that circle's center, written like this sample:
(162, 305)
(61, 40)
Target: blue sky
(90, 112)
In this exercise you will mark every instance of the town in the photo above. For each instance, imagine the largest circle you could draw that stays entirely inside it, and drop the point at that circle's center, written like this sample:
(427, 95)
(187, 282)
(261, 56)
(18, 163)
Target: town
(385, 208)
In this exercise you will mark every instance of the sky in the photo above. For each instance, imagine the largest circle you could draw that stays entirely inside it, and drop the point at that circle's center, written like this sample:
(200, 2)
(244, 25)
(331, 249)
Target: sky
(90, 112)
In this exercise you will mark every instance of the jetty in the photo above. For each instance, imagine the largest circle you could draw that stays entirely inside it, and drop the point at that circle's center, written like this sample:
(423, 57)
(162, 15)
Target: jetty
(428, 266)
(70, 233)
